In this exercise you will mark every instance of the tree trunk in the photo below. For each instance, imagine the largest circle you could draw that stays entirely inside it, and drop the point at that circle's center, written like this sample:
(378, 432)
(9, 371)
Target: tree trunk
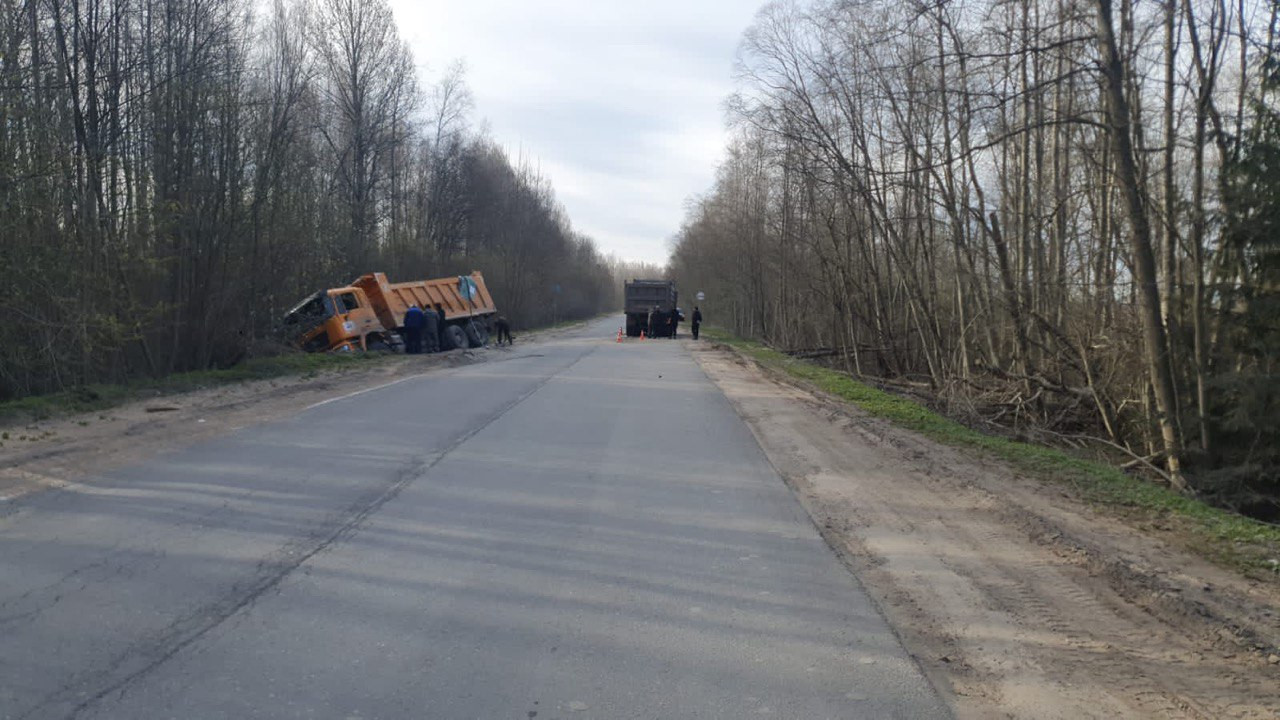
(1140, 228)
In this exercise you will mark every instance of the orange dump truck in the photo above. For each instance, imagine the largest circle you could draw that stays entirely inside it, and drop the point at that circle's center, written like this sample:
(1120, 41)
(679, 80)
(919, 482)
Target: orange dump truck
(369, 313)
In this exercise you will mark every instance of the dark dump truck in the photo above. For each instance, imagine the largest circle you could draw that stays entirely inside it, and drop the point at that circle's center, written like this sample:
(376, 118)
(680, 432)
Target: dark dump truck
(640, 297)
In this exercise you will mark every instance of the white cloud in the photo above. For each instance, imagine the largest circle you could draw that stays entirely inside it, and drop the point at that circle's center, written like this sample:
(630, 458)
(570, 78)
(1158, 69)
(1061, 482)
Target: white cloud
(620, 104)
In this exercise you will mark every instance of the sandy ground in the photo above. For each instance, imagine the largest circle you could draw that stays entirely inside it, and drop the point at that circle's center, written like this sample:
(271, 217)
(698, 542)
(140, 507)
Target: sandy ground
(1016, 600)
(56, 453)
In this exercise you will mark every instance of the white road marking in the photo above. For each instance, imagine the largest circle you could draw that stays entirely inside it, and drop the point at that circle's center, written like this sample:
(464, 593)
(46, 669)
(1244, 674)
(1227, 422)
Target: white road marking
(361, 392)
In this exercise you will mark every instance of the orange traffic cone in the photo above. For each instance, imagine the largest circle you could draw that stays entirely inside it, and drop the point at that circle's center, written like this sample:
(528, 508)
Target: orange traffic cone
(619, 335)
(641, 334)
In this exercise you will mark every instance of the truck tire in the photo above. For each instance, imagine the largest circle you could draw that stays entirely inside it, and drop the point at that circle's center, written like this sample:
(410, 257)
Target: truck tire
(378, 343)
(452, 337)
(477, 334)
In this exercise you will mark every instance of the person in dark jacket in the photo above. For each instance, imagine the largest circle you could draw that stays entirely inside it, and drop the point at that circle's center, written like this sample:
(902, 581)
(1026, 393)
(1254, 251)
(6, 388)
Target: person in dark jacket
(504, 330)
(431, 329)
(653, 321)
(675, 322)
(414, 321)
(440, 327)
(697, 321)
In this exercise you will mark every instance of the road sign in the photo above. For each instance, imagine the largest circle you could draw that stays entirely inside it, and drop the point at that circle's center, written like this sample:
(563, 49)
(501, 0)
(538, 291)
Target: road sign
(701, 295)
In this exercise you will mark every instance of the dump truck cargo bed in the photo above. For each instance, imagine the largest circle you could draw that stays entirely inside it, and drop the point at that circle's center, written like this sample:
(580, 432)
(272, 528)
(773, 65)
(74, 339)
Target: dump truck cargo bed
(391, 300)
(641, 296)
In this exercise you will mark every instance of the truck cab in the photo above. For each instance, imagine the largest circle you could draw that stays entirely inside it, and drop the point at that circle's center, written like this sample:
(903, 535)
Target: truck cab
(340, 319)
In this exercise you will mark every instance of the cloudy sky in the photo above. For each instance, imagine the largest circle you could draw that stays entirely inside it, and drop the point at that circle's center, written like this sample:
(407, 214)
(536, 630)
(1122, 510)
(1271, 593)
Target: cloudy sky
(620, 104)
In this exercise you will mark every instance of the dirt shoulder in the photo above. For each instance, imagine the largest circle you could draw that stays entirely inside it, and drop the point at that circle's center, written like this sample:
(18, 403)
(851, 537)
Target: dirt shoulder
(37, 456)
(1018, 600)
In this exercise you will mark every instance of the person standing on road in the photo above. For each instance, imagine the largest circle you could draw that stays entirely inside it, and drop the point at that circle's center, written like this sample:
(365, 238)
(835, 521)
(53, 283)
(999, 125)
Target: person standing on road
(653, 320)
(675, 322)
(504, 329)
(414, 321)
(697, 320)
(439, 327)
(431, 329)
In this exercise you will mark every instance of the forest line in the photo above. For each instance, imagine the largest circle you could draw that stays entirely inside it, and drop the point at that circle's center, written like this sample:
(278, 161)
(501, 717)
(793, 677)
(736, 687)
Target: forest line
(176, 174)
(1056, 215)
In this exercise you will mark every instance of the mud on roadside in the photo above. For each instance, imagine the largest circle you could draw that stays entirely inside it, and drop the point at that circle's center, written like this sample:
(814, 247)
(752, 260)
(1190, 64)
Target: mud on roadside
(1016, 599)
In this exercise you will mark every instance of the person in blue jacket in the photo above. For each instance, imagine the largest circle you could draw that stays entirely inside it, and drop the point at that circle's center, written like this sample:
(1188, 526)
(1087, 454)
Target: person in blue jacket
(414, 322)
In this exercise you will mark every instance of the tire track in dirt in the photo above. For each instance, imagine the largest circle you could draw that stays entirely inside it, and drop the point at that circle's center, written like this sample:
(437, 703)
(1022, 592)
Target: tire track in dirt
(1006, 593)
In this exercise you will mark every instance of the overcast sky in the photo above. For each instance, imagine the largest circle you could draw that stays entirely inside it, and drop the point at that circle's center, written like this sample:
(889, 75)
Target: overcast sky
(620, 104)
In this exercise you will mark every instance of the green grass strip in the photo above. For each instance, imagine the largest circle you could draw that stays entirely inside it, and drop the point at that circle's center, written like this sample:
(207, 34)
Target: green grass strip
(99, 397)
(1248, 545)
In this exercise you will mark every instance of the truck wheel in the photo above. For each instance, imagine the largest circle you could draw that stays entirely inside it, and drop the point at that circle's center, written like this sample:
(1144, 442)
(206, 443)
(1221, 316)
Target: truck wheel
(452, 337)
(477, 334)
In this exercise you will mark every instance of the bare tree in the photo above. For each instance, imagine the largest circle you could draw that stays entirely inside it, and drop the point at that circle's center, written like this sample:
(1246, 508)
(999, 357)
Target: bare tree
(983, 211)
(369, 80)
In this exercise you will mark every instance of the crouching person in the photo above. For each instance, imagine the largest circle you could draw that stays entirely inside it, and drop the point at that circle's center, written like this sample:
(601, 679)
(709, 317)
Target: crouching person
(504, 330)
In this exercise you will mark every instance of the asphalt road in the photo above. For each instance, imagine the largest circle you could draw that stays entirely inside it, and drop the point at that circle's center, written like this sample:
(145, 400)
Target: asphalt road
(580, 529)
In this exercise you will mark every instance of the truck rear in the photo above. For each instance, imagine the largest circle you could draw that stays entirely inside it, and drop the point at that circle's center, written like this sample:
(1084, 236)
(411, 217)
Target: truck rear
(641, 297)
